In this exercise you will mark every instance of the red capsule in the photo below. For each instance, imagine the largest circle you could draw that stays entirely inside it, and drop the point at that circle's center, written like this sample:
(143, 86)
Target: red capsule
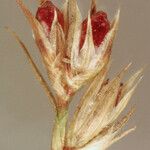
(45, 15)
(100, 27)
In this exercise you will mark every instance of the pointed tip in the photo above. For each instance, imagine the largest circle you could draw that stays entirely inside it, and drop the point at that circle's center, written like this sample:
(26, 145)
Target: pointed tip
(129, 131)
(123, 71)
(9, 30)
(128, 66)
(133, 79)
(93, 7)
(140, 79)
(135, 86)
(126, 133)
(89, 31)
(140, 73)
(55, 16)
(117, 16)
(118, 13)
(89, 18)
(115, 22)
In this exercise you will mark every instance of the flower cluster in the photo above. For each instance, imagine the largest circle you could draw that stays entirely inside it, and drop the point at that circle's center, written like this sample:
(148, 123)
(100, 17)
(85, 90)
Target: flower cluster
(76, 51)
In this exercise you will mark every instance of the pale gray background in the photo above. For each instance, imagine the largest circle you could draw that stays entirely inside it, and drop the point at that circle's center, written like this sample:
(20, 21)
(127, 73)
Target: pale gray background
(26, 118)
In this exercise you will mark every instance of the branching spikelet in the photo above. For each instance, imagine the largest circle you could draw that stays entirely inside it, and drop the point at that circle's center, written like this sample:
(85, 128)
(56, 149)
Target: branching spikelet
(75, 52)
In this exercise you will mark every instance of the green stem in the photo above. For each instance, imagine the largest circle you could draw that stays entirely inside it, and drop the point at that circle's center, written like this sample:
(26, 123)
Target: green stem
(59, 130)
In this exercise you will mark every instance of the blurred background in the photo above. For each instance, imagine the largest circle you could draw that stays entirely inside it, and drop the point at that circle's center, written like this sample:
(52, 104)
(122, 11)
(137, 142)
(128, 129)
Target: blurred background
(26, 117)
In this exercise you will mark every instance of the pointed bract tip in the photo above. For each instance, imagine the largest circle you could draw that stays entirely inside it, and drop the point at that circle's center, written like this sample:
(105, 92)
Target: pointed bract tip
(115, 22)
(55, 16)
(93, 7)
(89, 20)
(125, 69)
(128, 66)
(118, 13)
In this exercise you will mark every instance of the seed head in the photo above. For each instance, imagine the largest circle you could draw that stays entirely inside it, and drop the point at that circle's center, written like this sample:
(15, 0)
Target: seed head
(74, 52)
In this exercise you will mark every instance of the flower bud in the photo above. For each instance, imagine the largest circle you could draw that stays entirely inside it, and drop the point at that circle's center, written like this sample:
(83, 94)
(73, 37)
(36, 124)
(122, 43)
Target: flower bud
(100, 27)
(45, 15)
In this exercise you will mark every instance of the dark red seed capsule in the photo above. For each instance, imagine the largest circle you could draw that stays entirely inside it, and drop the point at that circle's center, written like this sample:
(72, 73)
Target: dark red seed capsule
(100, 27)
(45, 15)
